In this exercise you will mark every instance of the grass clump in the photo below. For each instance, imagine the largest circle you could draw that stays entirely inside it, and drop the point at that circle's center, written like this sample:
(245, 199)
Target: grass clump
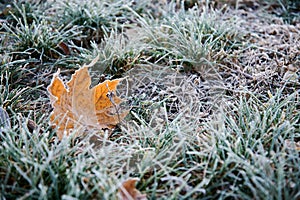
(287, 9)
(13, 98)
(34, 167)
(250, 143)
(246, 151)
(116, 54)
(190, 37)
(35, 39)
(94, 19)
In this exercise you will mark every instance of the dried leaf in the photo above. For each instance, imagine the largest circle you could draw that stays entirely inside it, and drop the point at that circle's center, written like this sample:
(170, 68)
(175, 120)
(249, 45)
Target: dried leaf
(64, 47)
(80, 107)
(128, 191)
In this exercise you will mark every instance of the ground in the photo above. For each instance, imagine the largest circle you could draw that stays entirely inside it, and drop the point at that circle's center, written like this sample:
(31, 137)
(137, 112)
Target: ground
(211, 89)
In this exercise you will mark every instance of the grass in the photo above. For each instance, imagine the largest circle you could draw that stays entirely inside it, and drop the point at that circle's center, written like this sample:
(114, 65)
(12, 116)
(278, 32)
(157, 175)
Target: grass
(213, 98)
(287, 9)
(192, 37)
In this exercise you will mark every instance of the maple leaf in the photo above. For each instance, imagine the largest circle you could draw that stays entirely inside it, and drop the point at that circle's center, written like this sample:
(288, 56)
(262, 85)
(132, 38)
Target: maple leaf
(80, 107)
(128, 191)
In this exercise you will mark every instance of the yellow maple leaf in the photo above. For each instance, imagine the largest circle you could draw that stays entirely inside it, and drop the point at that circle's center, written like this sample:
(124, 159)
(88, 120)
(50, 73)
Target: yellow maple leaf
(80, 107)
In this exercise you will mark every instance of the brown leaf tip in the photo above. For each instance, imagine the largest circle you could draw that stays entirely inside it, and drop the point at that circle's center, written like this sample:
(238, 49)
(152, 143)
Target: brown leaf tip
(128, 190)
